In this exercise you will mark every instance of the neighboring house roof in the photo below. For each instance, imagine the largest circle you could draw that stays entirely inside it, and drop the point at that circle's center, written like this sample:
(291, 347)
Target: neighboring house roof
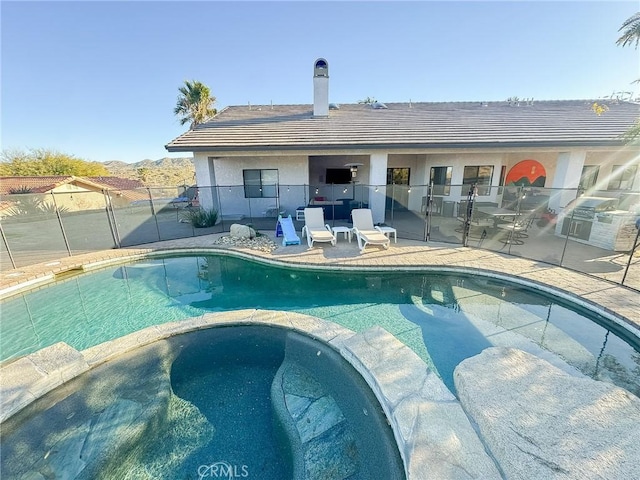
(45, 184)
(412, 125)
(10, 185)
(117, 183)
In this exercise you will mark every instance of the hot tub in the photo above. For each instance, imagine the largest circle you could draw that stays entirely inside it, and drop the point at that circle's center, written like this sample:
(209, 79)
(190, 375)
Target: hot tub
(248, 401)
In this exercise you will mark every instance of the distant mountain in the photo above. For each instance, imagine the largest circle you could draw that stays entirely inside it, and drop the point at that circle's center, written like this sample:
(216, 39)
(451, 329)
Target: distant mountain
(165, 172)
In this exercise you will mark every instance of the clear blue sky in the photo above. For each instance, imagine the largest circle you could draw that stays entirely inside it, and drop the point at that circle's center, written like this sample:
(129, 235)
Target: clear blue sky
(99, 80)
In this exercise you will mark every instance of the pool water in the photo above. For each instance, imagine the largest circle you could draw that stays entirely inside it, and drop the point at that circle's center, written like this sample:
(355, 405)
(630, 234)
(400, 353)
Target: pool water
(443, 318)
(228, 378)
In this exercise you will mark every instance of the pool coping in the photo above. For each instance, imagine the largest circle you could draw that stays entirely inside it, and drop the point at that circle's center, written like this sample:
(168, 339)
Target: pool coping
(374, 353)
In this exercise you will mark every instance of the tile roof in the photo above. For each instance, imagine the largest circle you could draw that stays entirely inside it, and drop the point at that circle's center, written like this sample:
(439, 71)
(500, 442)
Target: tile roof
(412, 125)
(117, 183)
(47, 183)
(31, 184)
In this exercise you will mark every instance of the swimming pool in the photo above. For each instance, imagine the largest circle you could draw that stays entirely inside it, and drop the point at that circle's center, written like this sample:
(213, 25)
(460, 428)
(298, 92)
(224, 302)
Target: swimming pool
(444, 318)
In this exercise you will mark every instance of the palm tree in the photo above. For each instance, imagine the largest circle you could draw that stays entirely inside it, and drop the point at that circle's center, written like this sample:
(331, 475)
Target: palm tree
(630, 31)
(195, 103)
(630, 35)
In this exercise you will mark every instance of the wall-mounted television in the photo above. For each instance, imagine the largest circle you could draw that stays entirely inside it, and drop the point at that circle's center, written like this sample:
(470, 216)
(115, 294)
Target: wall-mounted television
(338, 175)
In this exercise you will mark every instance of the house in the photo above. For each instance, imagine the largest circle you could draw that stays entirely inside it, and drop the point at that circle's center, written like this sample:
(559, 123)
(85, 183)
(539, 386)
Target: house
(379, 153)
(89, 192)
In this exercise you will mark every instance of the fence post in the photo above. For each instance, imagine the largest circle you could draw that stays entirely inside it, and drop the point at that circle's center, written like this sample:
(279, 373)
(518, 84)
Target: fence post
(111, 218)
(6, 244)
(153, 212)
(633, 249)
(428, 212)
(566, 240)
(64, 234)
(467, 216)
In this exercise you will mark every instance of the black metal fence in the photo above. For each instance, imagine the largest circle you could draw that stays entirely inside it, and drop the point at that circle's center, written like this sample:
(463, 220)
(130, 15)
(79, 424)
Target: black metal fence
(592, 233)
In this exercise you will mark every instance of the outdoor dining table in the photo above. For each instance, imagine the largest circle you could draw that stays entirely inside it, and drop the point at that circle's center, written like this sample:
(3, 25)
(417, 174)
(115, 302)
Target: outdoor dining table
(496, 213)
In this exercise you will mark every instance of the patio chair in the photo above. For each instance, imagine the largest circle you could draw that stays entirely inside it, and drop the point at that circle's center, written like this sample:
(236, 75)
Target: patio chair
(314, 227)
(364, 230)
(517, 231)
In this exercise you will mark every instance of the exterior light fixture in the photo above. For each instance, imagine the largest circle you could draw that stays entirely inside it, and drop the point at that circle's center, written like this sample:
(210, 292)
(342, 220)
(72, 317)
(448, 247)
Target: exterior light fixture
(353, 167)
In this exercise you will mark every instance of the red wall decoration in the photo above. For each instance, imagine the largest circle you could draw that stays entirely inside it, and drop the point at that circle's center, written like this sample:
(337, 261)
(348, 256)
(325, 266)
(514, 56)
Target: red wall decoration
(527, 173)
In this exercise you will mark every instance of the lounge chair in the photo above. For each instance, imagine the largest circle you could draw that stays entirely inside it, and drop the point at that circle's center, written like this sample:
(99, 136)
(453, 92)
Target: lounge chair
(364, 230)
(314, 227)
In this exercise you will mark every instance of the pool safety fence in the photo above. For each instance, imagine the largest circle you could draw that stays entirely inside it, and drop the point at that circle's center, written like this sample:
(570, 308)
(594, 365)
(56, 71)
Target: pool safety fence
(593, 232)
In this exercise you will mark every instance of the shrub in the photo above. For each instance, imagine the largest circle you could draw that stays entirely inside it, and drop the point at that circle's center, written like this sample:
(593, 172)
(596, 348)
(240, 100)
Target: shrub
(201, 218)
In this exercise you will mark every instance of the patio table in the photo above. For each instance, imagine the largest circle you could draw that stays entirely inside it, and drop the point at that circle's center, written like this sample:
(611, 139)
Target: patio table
(496, 213)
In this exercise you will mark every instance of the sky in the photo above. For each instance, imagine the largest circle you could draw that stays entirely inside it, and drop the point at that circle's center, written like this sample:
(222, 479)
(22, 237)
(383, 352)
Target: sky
(100, 80)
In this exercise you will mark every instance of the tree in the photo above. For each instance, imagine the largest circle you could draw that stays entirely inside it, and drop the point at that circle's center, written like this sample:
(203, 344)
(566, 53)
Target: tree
(44, 162)
(631, 34)
(195, 103)
(143, 173)
(368, 101)
(630, 31)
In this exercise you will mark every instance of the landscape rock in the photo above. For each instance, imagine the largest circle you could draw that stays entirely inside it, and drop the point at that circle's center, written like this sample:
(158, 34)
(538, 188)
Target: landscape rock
(261, 243)
(540, 422)
(241, 231)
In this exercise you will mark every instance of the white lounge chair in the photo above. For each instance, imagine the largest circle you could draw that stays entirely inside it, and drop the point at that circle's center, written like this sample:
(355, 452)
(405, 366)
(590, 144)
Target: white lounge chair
(364, 230)
(314, 227)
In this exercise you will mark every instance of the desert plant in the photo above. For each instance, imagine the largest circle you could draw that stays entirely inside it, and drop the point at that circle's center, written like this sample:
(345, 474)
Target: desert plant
(20, 190)
(201, 218)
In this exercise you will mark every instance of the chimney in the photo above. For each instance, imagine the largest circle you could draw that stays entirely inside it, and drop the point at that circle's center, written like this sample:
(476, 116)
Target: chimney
(321, 88)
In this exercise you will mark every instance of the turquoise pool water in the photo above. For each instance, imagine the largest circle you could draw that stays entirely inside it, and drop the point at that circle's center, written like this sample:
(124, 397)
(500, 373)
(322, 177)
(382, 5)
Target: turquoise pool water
(443, 318)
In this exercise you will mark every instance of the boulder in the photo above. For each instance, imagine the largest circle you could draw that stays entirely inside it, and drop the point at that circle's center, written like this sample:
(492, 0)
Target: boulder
(241, 231)
(541, 422)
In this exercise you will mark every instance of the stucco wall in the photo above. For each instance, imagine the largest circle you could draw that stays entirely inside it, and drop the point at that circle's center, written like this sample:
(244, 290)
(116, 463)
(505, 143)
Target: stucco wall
(303, 176)
(220, 182)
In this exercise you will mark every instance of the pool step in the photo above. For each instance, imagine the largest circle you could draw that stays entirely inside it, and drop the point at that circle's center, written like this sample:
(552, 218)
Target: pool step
(321, 443)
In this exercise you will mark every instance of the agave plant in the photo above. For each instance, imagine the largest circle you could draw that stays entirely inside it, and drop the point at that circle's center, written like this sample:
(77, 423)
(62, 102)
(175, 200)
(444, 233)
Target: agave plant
(201, 218)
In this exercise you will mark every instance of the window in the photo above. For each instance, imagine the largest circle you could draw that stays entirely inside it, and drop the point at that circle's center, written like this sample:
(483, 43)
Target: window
(399, 176)
(260, 183)
(481, 176)
(589, 177)
(622, 177)
(441, 179)
(503, 175)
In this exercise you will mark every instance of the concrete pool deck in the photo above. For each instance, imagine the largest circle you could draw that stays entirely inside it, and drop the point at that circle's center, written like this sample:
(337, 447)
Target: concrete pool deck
(616, 300)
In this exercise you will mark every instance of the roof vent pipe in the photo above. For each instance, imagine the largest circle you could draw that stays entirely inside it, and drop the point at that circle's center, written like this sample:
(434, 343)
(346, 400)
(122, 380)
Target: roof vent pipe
(321, 88)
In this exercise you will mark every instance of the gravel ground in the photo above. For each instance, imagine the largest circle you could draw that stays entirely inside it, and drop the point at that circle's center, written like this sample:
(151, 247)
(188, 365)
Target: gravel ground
(261, 243)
